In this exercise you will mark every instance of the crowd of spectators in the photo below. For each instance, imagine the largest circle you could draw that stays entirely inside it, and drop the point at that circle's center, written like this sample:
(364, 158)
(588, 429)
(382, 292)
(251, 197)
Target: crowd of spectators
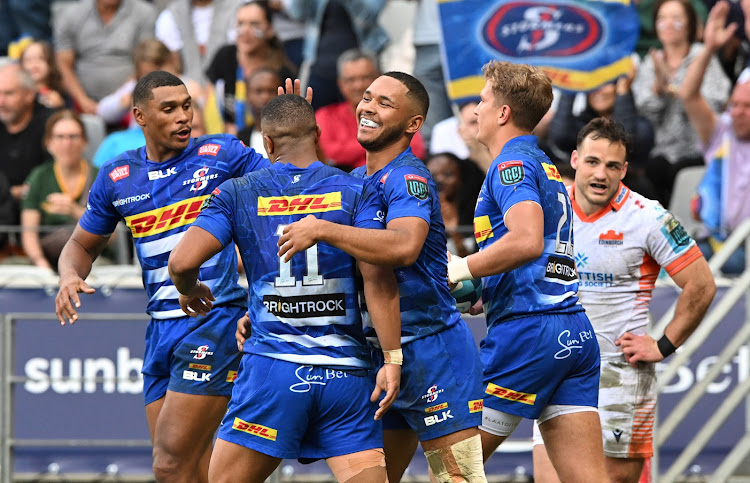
(70, 64)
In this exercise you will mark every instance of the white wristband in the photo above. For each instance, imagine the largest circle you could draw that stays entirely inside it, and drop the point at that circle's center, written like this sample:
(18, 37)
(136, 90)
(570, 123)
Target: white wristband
(458, 269)
(395, 356)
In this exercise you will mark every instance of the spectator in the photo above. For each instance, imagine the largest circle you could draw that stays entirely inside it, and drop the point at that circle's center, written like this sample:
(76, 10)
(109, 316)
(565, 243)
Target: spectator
(655, 91)
(22, 121)
(447, 138)
(725, 140)
(24, 18)
(38, 60)
(257, 46)
(262, 86)
(331, 28)
(648, 37)
(338, 122)
(93, 44)
(613, 101)
(458, 182)
(194, 30)
(58, 190)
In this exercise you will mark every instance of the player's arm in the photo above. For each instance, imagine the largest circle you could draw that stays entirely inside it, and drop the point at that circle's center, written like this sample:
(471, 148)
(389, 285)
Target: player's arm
(74, 266)
(381, 293)
(398, 245)
(192, 251)
(523, 243)
(698, 290)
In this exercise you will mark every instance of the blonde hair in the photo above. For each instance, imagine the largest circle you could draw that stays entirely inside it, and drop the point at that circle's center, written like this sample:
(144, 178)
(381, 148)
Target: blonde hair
(525, 89)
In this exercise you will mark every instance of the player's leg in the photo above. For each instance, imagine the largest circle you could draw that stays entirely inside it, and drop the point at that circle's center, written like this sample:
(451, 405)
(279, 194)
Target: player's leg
(184, 433)
(574, 446)
(232, 463)
(400, 446)
(366, 466)
(456, 457)
(496, 427)
(624, 470)
(544, 472)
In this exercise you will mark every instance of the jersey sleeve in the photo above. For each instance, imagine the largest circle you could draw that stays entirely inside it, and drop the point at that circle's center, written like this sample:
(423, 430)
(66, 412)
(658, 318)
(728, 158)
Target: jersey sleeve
(248, 159)
(669, 244)
(33, 198)
(512, 181)
(369, 211)
(217, 213)
(407, 193)
(100, 217)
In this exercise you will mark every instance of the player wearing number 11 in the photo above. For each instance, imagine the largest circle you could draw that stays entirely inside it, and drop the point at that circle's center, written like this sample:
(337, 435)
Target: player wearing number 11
(540, 357)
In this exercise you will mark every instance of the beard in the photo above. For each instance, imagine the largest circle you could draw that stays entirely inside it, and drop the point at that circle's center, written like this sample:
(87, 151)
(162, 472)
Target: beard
(386, 138)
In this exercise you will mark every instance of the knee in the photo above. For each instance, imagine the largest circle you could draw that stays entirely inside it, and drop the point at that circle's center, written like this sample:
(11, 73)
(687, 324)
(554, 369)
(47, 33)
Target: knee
(167, 465)
(461, 461)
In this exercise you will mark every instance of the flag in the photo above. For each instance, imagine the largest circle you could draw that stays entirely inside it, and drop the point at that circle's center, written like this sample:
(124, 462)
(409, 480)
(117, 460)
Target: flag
(580, 44)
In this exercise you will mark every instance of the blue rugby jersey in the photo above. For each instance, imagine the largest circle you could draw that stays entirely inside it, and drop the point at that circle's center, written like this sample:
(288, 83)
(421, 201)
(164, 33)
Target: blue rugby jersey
(306, 310)
(407, 190)
(522, 172)
(159, 201)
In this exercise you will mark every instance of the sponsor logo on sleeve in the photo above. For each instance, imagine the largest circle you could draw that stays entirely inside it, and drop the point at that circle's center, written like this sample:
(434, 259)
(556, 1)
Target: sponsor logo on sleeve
(209, 149)
(511, 172)
(165, 218)
(675, 233)
(254, 429)
(483, 228)
(611, 238)
(551, 171)
(290, 205)
(476, 405)
(119, 173)
(416, 186)
(510, 394)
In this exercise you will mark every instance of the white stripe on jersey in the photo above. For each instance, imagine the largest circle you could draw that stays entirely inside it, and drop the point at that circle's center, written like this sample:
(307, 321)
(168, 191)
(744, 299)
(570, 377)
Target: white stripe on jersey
(555, 299)
(323, 341)
(318, 360)
(170, 291)
(159, 275)
(168, 314)
(157, 247)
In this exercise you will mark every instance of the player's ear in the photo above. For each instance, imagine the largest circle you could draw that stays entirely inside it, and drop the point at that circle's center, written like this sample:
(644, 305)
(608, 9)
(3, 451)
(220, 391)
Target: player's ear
(624, 171)
(317, 133)
(139, 116)
(574, 159)
(415, 123)
(268, 144)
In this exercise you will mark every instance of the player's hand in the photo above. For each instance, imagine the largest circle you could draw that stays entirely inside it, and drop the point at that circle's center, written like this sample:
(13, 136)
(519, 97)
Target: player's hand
(295, 87)
(388, 379)
(67, 300)
(477, 308)
(298, 237)
(639, 348)
(199, 302)
(243, 331)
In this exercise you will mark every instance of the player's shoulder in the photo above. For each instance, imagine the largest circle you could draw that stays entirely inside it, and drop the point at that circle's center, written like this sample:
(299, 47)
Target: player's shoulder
(638, 207)
(212, 144)
(124, 164)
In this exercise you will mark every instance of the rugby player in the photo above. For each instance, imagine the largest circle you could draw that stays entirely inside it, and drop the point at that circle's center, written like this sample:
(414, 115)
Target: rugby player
(303, 387)
(158, 190)
(540, 356)
(439, 404)
(622, 242)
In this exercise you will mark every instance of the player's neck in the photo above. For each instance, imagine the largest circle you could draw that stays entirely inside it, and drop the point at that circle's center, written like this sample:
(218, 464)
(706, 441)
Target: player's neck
(160, 154)
(502, 137)
(298, 161)
(377, 160)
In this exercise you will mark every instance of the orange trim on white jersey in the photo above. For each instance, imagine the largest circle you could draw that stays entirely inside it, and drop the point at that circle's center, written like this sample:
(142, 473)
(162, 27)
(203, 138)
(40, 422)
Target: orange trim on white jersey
(617, 201)
(686, 259)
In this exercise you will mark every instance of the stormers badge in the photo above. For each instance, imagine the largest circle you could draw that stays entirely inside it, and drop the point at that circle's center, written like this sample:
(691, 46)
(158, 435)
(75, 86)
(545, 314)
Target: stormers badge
(511, 172)
(416, 186)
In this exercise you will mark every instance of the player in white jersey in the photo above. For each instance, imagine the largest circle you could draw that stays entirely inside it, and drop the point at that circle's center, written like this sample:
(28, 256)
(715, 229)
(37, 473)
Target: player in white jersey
(622, 242)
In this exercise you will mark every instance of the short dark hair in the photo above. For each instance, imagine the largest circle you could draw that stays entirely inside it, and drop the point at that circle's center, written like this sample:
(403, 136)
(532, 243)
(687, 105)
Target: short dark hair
(143, 90)
(416, 90)
(288, 115)
(604, 128)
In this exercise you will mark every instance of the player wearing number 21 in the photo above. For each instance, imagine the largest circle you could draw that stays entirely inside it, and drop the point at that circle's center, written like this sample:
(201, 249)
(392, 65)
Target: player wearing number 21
(540, 357)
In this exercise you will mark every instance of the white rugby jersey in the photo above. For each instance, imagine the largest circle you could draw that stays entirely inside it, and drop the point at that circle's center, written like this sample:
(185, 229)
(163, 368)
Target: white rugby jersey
(619, 251)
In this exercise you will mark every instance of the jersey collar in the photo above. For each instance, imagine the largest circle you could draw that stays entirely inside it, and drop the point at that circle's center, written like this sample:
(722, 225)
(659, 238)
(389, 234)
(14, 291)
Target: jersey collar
(617, 202)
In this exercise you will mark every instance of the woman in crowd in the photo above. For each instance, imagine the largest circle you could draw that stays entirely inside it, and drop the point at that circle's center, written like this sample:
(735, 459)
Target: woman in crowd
(256, 46)
(38, 60)
(57, 191)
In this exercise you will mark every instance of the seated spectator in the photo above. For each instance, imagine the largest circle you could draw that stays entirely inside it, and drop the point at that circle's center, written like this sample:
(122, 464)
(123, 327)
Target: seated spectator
(257, 46)
(331, 28)
(22, 121)
(58, 191)
(262, 86)
(338, 122)
(614, 101)
(446, 138)
(724, 201)
(93, 44)
(655, 92)
(458, 182)
(194, 30)
(38, 60)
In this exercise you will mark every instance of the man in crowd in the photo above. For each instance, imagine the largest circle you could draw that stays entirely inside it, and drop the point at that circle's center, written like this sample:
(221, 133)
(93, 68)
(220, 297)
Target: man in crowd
(540, 357)
(440, 401)
(158, 190)
(307, 325)
(622, 242)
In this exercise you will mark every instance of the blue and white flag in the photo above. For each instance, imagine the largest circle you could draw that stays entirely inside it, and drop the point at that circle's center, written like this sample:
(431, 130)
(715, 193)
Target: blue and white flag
(580, 44)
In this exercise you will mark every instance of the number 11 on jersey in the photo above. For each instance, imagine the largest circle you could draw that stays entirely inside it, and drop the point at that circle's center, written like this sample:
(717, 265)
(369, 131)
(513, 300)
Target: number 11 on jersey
(286, 279)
